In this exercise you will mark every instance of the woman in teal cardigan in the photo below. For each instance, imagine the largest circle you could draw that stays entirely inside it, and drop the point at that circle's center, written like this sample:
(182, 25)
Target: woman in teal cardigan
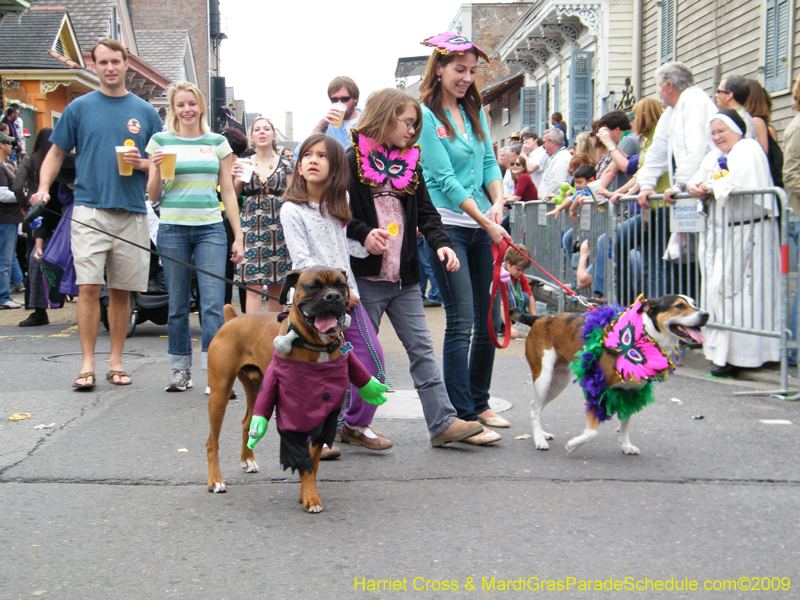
(459, 164)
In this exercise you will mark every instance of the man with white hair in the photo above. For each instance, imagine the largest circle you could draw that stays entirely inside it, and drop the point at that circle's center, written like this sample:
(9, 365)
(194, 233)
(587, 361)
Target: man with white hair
(557, 170)
(681, 139)
(680, 143)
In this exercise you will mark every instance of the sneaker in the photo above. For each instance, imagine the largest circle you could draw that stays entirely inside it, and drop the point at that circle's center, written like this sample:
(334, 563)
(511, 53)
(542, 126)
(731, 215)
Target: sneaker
(179, 380)
(428, 303)
(35, 319)
(17, 289)
(9, 305)
(234, 395)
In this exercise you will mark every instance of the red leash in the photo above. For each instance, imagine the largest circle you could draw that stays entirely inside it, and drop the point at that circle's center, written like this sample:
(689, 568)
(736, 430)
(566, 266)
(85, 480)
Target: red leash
(498, 264)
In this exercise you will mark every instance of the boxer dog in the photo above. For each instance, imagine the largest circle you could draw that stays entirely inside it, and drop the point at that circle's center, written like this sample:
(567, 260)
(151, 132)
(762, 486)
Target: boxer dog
(555, 339)
(244, 345)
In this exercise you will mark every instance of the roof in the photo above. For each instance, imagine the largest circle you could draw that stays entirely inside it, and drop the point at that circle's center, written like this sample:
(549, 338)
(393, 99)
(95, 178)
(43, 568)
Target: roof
(164, 50)
(26, 40)
(502, 87)
(89, 18)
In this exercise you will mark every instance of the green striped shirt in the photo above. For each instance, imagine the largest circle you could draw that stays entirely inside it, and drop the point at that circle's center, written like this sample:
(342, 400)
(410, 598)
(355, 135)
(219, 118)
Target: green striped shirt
(191, 198)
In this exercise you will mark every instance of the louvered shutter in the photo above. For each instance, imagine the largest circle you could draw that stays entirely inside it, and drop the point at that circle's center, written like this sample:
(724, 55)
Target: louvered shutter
(580, 91)
(543, 105)
(528, 102)
(667, 48)
(776, 47)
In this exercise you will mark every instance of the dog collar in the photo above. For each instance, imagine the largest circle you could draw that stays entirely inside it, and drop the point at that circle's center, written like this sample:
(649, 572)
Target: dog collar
(301, 341)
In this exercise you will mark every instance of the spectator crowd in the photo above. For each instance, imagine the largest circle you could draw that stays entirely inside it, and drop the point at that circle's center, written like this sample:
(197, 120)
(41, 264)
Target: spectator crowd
(407, 196)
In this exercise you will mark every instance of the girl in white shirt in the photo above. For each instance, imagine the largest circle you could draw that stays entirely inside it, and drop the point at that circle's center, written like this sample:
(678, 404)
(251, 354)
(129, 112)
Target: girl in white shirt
(314, 216)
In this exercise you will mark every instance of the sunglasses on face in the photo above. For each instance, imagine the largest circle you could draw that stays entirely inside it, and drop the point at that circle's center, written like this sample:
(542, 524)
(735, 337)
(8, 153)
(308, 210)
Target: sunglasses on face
(343, 99)
(516, 164)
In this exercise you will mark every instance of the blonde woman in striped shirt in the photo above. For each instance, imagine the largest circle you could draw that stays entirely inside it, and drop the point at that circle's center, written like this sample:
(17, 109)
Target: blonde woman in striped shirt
(191, 228)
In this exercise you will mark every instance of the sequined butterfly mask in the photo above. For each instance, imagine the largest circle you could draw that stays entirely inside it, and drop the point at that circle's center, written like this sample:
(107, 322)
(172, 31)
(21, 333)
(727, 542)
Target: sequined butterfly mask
(378, 165)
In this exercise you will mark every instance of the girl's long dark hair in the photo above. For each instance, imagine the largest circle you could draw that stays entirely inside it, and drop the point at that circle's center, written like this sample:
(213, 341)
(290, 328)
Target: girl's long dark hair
(41, 147)
(430, 94)
(333, 199)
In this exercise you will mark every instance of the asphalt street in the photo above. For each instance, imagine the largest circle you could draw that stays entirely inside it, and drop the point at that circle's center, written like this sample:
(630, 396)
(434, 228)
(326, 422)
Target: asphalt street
(106, 505)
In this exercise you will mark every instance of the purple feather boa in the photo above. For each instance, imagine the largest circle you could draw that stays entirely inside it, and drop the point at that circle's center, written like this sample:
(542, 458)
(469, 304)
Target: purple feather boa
(599, 317)
(592, 379)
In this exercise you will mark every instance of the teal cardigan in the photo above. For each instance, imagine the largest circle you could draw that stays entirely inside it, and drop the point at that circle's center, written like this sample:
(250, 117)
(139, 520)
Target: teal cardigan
(455, 169)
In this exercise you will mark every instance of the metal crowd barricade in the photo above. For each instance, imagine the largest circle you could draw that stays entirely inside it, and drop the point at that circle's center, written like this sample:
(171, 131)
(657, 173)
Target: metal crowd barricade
(737, 268)
(548, 238)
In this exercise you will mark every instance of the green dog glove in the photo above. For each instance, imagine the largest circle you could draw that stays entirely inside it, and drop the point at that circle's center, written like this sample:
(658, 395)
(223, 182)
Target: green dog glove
(258, 427)
(373, 392)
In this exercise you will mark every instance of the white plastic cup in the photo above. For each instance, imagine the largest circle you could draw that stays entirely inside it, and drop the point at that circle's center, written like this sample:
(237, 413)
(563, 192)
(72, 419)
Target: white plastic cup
(342, 108)
(247, 169)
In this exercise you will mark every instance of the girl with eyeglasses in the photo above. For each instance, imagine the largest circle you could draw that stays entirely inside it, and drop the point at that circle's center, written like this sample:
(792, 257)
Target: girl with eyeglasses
(390, 203)
(524, 188)
(459, 164)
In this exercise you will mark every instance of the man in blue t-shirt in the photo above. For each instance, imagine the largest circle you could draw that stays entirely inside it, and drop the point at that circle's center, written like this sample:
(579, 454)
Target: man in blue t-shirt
(94, 125)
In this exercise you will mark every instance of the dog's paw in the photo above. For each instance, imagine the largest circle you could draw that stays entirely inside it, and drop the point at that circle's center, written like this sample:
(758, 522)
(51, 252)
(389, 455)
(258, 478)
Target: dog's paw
(629, 449)
(541, 444)
(569, 447)
(218, 487)
(548, 436)
(249, 466)
(312, 504)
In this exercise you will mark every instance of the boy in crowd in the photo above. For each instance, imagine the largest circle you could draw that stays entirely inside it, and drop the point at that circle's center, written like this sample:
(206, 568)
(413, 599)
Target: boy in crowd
(583, 176)
(519, 291)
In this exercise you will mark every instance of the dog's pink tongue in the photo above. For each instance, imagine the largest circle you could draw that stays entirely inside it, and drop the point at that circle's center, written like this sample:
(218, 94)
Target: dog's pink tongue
(696, 335)
(325, 323)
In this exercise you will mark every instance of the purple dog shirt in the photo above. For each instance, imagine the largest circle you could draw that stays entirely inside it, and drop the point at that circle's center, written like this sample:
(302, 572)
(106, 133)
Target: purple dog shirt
(306, 393)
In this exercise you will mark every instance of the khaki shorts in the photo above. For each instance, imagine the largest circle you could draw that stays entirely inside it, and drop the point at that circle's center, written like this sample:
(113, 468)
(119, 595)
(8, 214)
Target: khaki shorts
(128, 266)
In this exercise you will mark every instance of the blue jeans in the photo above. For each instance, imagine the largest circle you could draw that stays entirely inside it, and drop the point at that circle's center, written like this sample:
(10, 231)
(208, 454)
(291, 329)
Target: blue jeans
(467, 295)
(404, 307)
(425, 272)
(8, 241)
(206, 244)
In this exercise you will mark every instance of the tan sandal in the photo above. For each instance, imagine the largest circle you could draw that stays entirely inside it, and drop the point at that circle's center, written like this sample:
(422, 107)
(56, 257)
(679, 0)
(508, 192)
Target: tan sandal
(90, 383)
(111, 374)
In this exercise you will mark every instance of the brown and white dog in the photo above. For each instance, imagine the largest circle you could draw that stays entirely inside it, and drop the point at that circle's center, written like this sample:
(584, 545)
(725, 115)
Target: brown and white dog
(554, 340)
(243, 348)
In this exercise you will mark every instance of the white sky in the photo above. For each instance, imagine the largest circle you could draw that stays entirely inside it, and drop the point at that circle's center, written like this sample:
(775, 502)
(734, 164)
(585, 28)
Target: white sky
(280, 55)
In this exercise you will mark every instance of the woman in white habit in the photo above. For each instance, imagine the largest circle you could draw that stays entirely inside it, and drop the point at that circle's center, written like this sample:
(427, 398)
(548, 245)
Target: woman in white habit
(740, 249)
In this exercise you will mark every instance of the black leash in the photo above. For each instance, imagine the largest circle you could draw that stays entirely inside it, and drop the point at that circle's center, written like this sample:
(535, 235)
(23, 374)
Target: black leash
(37, 212)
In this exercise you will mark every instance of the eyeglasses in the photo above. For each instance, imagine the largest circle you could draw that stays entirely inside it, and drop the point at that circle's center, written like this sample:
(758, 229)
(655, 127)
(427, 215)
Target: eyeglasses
(516, 164)
(723, 92)
(410, 125)
(343, 99)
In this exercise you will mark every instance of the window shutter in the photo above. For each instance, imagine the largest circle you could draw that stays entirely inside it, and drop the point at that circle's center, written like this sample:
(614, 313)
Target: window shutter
(776, 47)
(528, 101)
(667, 49)
(580, 91)
(543, 105)
(556, 94)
